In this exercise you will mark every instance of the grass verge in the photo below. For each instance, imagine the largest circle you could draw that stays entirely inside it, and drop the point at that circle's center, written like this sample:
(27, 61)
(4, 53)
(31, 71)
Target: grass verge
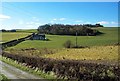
(3, 78)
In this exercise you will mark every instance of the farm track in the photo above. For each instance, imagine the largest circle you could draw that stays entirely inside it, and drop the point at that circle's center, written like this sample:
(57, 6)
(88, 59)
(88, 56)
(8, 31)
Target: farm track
(12, 72)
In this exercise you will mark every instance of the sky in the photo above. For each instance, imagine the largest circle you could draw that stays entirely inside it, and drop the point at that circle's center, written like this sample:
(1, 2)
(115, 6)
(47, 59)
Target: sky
(30, 15)
(60, 0)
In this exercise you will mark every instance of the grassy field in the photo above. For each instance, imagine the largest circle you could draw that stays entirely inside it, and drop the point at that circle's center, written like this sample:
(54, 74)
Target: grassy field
(7, 36)
(109, 37)
(27, 30)
(91, 53)
(100, 47)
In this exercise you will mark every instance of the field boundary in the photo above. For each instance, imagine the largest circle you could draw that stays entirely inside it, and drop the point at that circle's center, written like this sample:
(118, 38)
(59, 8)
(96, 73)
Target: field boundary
(71, 69)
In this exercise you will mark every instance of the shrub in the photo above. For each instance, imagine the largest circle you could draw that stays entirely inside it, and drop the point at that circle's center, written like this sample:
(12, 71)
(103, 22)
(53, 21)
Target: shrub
(68, 44)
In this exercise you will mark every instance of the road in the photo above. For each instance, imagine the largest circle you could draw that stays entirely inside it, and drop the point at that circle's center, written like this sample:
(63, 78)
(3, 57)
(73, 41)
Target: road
(12, 72)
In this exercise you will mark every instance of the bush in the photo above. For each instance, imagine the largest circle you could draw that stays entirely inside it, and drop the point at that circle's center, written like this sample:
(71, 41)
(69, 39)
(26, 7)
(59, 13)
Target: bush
(79, 46)
(47, 39)
(68, 44)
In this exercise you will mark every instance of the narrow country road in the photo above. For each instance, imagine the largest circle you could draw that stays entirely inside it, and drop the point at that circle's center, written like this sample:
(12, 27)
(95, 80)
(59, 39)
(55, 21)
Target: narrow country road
(12, 72)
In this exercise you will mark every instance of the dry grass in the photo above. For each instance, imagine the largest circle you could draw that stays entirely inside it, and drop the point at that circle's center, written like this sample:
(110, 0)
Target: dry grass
(93, 53)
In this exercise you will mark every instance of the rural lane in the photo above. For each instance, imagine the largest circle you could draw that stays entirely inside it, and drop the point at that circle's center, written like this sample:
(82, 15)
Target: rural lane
(12, 72)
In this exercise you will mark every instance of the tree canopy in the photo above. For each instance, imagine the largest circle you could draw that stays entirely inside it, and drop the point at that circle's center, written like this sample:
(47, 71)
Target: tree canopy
(61, 29)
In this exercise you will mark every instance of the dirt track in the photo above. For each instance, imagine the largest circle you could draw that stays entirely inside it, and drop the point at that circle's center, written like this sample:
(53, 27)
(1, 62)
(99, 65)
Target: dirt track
(14, 73)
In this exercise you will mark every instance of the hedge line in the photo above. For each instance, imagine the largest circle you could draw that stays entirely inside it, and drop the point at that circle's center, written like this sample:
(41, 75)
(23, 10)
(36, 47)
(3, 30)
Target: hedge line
(72, 69)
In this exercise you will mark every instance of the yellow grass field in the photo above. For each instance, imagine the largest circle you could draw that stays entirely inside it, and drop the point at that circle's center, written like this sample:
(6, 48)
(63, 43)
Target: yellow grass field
(93, 53)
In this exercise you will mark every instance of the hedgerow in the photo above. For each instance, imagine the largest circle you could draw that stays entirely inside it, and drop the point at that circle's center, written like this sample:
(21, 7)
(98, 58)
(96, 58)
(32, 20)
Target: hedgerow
(72, 69)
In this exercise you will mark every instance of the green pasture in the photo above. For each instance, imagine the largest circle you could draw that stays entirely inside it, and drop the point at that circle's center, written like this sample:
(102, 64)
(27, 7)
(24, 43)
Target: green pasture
(109, 37)
(27, 30)
(103, 47)
(7, 36)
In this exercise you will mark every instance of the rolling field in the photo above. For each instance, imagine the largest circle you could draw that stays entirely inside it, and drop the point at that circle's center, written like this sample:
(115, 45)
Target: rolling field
(100, 47)
(101, 56)
(109, 37)
(7, 36)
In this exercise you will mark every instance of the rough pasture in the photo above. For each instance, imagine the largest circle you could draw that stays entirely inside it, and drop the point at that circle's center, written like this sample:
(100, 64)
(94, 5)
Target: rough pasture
(108, 53)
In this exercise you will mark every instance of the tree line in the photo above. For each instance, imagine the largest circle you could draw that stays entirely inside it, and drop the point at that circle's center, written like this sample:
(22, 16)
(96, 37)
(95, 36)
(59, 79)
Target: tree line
(3, 30)
(61, 29)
